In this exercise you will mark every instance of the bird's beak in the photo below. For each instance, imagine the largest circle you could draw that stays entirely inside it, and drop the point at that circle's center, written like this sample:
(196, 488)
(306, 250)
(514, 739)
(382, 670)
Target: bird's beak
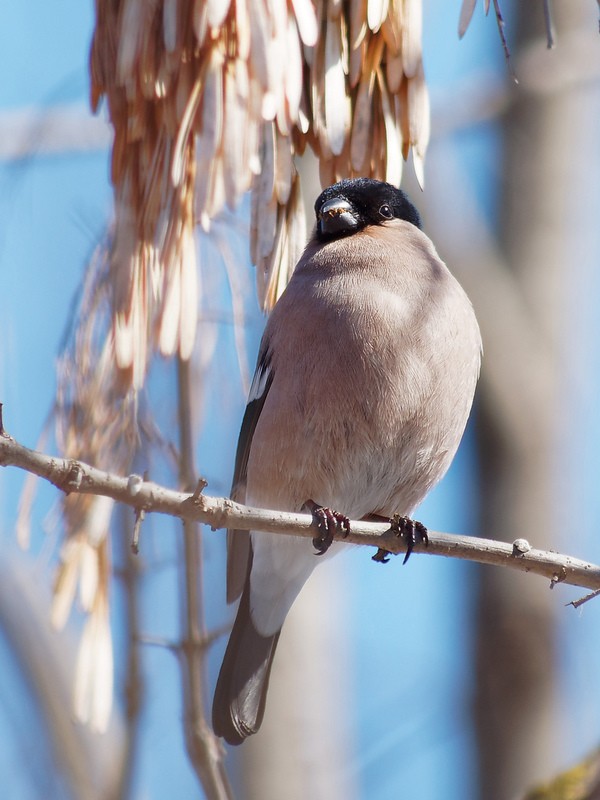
(337, 216)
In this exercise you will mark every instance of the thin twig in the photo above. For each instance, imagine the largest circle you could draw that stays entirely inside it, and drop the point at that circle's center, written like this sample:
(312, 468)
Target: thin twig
(204, 749)
(175, 647)
(500, 22)
(134, 482)
(135, 536)
(219, 512)
(159, 642)
(586, 599)
(134, 678)
(548, 23)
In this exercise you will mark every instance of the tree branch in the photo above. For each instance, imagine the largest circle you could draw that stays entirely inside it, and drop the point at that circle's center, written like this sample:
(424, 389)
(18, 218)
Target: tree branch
(204, 748)
(69, 475)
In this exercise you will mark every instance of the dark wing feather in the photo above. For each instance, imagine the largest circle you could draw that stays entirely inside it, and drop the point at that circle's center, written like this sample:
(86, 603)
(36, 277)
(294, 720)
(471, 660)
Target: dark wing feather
(238, 542)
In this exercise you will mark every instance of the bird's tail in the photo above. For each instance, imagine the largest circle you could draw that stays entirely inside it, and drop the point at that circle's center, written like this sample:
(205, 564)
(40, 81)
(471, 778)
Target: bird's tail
(241, 692)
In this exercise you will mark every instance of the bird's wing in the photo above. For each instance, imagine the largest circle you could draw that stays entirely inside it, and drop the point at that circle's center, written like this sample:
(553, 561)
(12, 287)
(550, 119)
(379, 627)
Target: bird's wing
(238, 542)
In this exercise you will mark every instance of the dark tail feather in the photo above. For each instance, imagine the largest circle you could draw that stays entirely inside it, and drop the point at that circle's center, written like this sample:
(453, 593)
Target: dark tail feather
(241, 693)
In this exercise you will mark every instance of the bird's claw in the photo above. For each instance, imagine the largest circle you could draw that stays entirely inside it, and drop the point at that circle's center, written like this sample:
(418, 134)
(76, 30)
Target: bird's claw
(381, 556)
(327, 523)
(410, 530)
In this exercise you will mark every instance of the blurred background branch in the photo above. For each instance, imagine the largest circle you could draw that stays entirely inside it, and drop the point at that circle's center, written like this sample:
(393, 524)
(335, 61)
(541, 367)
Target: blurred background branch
(205, 751)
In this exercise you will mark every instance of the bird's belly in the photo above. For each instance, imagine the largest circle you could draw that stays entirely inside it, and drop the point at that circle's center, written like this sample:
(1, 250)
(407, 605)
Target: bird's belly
(348, 465)
(383, 478)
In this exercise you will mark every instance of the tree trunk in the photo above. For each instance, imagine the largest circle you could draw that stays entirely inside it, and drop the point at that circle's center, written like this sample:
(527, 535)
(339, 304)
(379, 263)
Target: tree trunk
(544, 144)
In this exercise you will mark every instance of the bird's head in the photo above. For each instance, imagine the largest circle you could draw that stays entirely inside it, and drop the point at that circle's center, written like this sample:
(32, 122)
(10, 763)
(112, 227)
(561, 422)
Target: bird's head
(351, 205)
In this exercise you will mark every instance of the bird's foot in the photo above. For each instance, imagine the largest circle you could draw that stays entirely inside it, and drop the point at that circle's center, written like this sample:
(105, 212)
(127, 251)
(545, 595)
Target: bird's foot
(410, 530)
(327, 523)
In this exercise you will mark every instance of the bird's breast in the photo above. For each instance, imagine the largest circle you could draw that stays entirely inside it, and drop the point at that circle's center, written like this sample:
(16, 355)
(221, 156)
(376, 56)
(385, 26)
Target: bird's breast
(367, 404)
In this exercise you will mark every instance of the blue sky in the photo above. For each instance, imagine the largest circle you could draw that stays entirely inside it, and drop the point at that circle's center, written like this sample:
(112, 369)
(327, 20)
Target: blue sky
(414, 740)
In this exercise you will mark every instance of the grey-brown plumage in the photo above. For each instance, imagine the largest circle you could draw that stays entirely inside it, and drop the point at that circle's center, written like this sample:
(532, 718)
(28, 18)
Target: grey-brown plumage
(365, 379)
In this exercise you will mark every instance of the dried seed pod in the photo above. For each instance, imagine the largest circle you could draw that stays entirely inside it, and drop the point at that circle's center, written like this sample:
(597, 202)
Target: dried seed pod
(214, 68)
(466, 13)
(337, 116)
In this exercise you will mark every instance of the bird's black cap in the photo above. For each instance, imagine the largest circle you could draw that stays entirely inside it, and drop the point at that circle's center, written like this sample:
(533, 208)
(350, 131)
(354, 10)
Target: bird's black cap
(351, 205)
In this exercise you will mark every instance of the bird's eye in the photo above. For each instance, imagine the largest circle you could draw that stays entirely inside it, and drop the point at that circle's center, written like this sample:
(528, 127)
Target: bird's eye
(386, 211)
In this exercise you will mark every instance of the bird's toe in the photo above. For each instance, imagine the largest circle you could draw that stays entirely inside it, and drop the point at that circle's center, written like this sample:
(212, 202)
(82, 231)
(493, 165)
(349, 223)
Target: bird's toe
(327, 522)
(410, 530)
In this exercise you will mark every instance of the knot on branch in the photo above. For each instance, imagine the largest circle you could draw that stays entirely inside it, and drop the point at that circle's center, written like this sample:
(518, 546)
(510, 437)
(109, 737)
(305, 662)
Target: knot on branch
(73, 479)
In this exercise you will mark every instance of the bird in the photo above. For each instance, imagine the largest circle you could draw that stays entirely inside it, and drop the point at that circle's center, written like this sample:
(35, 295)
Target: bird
(365, 379)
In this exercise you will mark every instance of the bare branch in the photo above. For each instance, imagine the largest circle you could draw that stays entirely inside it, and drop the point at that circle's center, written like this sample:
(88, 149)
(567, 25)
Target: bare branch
(204, 748)
(586, 599)
(548, 24)
(134, 674)
(219, 512)
(500, 22)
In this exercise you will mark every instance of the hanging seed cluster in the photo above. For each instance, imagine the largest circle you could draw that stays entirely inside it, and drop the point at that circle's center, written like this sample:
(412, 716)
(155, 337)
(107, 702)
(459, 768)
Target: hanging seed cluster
(212, 98)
